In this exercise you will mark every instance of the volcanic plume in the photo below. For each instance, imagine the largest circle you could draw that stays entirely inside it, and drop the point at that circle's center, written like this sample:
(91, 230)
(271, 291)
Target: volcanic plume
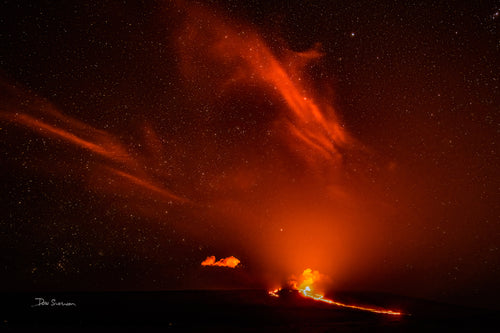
(285, 186)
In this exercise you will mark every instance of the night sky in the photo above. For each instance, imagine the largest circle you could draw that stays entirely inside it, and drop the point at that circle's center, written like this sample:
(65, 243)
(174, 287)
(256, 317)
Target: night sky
(358, 138)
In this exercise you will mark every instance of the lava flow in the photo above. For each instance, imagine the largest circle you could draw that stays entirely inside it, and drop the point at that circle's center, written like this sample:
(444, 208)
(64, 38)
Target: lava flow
(305, 288)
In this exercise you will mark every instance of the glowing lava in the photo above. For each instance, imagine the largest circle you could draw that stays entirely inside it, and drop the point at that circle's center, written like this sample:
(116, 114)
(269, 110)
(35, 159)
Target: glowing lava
(305, 288)
(231, 262)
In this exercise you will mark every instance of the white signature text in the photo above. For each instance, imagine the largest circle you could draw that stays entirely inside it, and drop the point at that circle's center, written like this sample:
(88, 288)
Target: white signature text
(42, 302)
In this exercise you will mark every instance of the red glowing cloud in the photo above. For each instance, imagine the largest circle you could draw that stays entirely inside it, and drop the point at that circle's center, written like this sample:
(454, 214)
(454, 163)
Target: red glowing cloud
(101, 143)
(119, 162)
(310, 124)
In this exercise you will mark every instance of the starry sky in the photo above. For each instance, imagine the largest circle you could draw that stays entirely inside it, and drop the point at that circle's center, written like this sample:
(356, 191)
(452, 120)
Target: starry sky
(358, 138)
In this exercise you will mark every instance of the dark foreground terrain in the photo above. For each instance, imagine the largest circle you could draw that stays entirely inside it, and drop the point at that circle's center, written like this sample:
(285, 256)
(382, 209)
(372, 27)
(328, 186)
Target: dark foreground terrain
(230, 311)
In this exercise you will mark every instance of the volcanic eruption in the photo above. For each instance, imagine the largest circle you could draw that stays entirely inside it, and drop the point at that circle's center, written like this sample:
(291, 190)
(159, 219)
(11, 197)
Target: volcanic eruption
(139, 139)
(307, 288)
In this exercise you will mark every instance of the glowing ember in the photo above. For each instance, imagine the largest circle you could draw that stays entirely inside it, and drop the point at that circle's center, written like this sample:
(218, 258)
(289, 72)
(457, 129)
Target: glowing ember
(305, 288)
(231, 262)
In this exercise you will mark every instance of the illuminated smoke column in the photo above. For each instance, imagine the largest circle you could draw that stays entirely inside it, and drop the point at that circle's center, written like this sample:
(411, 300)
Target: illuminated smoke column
(287, 191)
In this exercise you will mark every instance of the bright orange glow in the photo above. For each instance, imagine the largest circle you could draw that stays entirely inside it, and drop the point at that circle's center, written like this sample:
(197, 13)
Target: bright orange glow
(231, 262)
(305, 287)
(309, 277)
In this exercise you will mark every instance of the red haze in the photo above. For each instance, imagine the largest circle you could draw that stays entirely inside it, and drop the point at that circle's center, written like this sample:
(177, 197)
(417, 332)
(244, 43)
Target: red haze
(281, 192)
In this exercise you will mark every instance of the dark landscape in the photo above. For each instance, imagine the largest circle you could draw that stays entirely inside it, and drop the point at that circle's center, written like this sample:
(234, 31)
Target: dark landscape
(234, 311)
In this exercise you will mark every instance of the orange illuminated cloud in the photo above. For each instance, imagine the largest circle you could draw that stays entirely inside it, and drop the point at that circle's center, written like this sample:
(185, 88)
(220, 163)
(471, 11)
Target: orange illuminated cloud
(102, 144)
(244, 56)
(42, 117)
(144, 183)
(231, 262)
